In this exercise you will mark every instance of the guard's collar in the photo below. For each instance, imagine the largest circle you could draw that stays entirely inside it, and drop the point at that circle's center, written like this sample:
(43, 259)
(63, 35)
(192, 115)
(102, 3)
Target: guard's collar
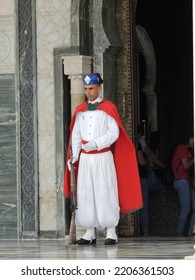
(97, 100)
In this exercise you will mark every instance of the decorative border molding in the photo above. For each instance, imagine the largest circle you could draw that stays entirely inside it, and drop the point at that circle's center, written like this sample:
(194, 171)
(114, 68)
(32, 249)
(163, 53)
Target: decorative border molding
(27, 115)
(125, 89)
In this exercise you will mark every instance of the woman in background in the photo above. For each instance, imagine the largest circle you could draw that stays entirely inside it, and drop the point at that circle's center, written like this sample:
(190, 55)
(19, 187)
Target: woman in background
(182, 162)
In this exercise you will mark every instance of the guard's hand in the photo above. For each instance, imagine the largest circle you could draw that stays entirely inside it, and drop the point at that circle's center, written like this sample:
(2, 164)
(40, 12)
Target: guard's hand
(90, 146)
(69, 163)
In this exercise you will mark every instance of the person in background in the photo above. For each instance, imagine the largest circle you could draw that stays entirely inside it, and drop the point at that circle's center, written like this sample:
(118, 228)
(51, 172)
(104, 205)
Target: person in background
(143, 213)
(151, 150)
(191, 229)
(182, 162)
(108, 180)
(146, 159)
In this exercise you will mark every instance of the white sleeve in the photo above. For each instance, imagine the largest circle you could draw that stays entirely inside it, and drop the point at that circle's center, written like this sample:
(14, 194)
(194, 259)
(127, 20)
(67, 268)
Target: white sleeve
(110, 136)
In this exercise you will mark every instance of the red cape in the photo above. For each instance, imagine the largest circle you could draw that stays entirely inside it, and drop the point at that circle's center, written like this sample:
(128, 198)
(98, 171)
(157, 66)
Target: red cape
(129, 189)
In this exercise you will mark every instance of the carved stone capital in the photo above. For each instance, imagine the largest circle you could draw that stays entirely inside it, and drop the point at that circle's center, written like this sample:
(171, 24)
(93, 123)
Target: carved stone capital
(74, 67)
(78, 64)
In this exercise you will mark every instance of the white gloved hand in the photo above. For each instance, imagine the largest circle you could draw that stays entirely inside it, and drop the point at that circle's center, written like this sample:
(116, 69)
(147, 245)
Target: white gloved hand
(90, 146)
(69, 163)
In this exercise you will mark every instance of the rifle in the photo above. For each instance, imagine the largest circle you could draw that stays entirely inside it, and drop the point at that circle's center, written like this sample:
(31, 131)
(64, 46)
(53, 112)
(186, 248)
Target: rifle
(72, 231)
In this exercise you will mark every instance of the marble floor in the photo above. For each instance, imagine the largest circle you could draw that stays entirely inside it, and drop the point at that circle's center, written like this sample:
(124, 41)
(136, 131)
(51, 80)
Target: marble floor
(127, 248)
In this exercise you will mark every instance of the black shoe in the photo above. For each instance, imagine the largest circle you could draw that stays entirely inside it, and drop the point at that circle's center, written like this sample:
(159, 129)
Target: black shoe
(110, 241)
(83, 241)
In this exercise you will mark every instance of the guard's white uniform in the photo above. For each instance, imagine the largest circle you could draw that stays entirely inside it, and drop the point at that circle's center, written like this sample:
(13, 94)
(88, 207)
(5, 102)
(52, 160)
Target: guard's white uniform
(97, 192)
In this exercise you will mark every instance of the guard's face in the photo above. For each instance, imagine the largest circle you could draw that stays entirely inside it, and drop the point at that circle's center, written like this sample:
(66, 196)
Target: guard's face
(92, 91)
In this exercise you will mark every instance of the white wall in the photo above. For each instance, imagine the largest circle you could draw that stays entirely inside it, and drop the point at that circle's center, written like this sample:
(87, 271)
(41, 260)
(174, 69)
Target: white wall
(7, 7)
(7, 56)
(53, 30)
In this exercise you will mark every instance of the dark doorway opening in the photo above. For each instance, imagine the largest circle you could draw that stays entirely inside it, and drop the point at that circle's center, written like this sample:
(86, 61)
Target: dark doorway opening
(66, 130)
(169, 26)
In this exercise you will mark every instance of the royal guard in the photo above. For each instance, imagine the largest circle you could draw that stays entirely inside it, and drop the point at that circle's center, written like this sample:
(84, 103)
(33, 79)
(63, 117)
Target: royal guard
(108, 182)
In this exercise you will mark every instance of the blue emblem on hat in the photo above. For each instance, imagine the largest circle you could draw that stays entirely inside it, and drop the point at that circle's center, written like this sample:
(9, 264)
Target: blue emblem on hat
(92, 79)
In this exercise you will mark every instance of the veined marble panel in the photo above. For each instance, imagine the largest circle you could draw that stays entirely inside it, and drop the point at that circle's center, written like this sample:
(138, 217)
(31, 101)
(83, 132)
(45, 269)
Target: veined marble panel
(53, 31)
(8, 195)
(47, 167)
(47, 214)
(49, 5)
(46, 106)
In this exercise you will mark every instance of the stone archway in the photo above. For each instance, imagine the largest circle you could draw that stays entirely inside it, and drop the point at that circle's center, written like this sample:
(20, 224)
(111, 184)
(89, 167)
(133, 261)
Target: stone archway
(150, 76)
(98, 38)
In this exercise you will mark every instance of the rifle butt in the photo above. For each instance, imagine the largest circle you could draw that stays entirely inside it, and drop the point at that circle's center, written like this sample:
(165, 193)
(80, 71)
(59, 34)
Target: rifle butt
(72, 231)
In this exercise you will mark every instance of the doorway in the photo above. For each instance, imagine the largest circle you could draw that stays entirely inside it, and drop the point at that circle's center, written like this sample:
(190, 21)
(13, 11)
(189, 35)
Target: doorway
(169, 27)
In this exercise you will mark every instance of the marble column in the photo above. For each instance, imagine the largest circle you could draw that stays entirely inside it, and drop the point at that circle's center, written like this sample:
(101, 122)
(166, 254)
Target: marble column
(74, 68)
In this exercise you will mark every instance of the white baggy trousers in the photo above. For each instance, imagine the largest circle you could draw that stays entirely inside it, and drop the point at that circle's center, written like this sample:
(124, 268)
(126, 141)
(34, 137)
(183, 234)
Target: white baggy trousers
(97, 191)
